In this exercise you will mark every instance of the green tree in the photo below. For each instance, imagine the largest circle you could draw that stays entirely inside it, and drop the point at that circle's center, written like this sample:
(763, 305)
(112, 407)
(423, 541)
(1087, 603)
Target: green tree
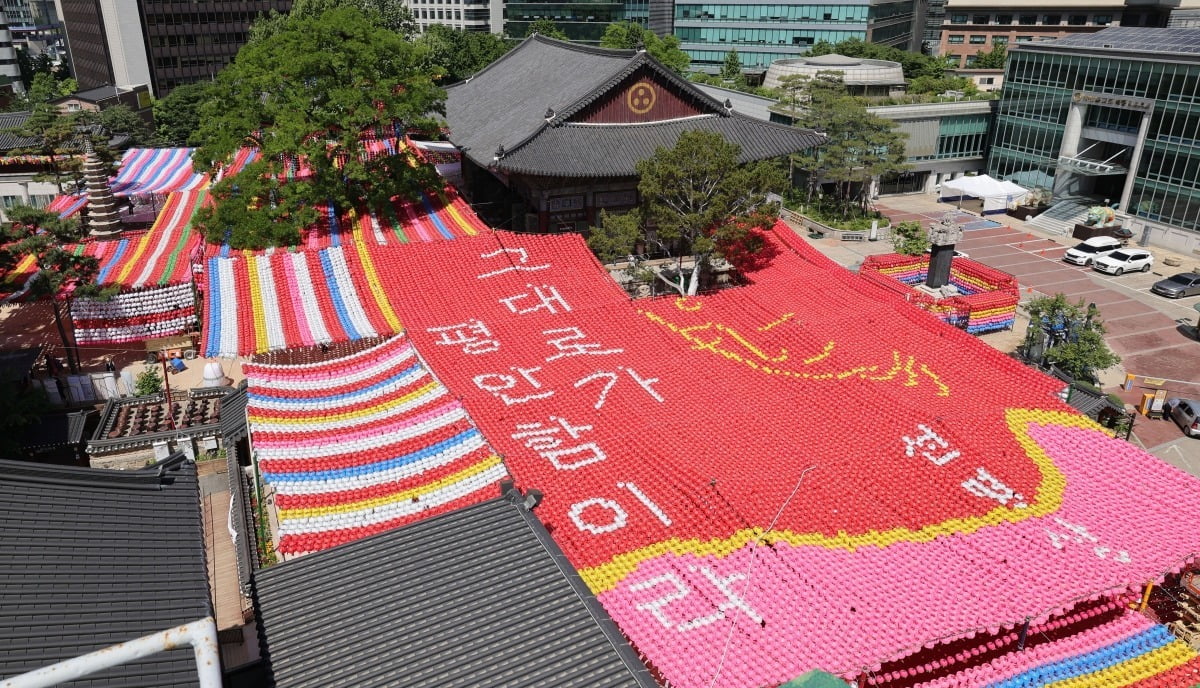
(177, 115)
(941, 84)
(914, 64)
(910, 238)
(629, 35)
(121, 119)
(23, 406)
(52, 134)
(992, 59)
(310, 93)
(697, 198)
(393, 15)
(547, 28)
(46, 237)
(148, 382)
(453, 55)
(731, 70)
(861, 147)
(1068, 335)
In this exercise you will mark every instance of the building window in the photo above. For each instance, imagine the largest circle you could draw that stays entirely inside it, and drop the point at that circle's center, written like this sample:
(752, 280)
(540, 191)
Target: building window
(1024, 39)
(956, 39)
(999, 40)
(1052, 19)
(1004, 18)
(1102, 19)
(981, 19)
(987, 80)
(1078, 20)
(958, 19)
(978, 40)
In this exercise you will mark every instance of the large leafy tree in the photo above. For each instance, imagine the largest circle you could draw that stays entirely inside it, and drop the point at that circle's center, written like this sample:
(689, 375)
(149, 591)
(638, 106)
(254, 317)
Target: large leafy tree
(627, 35)
(861, 146)
(53, 134)
(992, 59)
(1068, 335)
(307, 97)
(393, 15)
(121, 119)
(177, 116)
(453, 55)
(698, 199)
(731, 69)
(60, 273)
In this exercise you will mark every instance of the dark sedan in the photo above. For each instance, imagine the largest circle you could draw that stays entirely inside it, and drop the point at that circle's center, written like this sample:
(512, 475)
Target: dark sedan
(1178, 286)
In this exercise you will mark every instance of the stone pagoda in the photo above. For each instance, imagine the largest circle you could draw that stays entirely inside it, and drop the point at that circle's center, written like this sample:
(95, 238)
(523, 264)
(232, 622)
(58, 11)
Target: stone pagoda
(103, 222)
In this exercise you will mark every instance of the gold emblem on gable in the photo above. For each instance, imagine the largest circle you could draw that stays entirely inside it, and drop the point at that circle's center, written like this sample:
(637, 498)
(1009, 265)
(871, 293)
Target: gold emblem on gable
(640, 97)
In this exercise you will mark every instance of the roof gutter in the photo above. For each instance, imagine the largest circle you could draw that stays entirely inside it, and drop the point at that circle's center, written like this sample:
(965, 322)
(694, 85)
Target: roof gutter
(200, 634)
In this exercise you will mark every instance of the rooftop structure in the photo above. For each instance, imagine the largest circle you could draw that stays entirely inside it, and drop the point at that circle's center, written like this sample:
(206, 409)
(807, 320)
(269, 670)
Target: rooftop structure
(861, 76)
(91, 558)
(480, 596)
(550, 109)
(134, 425)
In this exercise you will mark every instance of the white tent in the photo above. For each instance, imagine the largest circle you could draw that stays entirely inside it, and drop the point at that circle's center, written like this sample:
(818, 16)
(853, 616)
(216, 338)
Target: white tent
(996, 194)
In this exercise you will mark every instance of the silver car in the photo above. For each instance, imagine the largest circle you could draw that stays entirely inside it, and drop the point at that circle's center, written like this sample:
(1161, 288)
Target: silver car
(1178, 286)
(1185, 413)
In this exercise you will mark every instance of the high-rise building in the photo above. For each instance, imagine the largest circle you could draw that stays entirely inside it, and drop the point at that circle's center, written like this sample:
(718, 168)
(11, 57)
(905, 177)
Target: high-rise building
(583, 21)
(10, 73)
(763, 33)
(464, 15)
(1113, 114)
(163, 44)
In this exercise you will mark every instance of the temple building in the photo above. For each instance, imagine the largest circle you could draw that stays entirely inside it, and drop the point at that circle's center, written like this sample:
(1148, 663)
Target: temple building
(551, 133)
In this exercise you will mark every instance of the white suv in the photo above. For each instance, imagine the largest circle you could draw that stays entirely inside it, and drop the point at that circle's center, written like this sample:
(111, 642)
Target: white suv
(1125, 260)
(1090, 250)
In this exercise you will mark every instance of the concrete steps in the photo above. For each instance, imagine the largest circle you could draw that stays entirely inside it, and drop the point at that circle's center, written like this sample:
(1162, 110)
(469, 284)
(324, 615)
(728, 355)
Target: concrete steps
(1061, 217)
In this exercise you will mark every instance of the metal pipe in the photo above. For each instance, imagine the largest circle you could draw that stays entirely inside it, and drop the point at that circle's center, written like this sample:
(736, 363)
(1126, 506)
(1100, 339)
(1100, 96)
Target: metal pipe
(200, 634)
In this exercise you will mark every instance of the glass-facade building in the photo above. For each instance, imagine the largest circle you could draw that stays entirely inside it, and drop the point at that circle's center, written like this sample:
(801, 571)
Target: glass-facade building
(1116, 115)
(762, 33)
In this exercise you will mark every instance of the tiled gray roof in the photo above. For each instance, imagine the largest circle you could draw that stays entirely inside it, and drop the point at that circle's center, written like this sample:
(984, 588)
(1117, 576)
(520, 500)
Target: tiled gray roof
(505, 104)
(613, 150)
(9, 140)
(90, 558)
(233, 414)
(56, 430)
(476, 597)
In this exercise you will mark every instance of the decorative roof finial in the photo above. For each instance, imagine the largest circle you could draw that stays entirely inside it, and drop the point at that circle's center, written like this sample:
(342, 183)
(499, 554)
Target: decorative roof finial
(499, 152)
(729, 105)
(641, 46)
(549, 114)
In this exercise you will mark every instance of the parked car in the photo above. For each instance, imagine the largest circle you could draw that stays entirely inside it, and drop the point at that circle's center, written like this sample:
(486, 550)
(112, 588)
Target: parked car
(1125, 260)
(1088, 251)
(1185, 413)
(1178, 286)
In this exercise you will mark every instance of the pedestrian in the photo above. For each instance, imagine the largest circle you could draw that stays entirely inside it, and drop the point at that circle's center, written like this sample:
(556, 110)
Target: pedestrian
(109, 365)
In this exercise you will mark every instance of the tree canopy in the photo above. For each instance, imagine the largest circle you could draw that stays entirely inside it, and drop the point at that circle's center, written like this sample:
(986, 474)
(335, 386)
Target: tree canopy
(547, 28)
(695, 197)
(1068, 335)
(861, 146)
(914, 64)
(629, 35)
(453, 55)
(393, 15)
(731, 69)
(992, 59)
(308, 97)
(177, 116)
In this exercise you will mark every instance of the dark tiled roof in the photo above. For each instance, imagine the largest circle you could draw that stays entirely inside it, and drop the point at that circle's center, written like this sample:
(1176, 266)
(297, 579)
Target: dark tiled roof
(233, 414)
(9, 140)
(90, 558)
(476, 597)
(505, 104)
(15, 364)
(245, 547)
(613, 150)
(56, 430)
(94, 95)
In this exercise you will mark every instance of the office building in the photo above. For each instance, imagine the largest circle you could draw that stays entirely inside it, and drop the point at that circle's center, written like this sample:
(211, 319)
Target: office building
(126, 42)
(1113, 114)
(763, 33)
(583, 21)
(464, 15)
(972, 26)
(10, 73)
